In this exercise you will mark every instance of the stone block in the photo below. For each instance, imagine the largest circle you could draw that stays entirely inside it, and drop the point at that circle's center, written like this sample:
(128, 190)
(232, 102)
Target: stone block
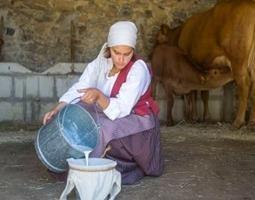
(5, 86)
(46, 86)
(215, 107)
(45, 107)
(216, 92)
(32, 86)
(178, 110)
(28, 112)
(64, 83)
(36, 110)
(160, 92)
(12, 111)
(162, 108)
(19, 83)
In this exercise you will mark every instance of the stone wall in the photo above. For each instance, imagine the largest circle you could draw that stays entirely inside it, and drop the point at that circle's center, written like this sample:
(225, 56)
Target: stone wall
(41, 33)
(26, 96)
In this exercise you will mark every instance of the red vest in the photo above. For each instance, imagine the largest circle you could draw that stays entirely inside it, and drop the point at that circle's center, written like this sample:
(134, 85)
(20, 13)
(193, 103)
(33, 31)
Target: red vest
(145, 104)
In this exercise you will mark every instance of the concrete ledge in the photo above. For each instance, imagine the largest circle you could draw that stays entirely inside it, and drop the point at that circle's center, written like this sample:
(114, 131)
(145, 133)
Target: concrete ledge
(65, 68)
(179, 133)
(8, 67)
(17, 136)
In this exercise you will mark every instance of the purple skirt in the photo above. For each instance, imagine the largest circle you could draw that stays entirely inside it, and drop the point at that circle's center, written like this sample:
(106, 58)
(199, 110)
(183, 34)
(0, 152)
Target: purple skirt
(135, 144)
(137, 155)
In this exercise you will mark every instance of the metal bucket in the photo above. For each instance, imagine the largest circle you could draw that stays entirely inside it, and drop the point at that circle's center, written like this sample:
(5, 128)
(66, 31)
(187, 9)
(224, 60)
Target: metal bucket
(68, 135)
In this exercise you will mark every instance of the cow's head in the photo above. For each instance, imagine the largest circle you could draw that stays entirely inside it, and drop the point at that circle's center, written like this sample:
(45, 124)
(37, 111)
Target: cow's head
(216, 77)
(167, 35)
(162, 35)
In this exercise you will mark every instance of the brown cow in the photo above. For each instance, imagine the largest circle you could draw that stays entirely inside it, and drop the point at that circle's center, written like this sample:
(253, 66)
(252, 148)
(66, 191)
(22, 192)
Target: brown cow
(178, 76)
(170, 37)
(224, 36)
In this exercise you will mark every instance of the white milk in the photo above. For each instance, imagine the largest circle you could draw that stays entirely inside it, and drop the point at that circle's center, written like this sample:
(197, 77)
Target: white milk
(86, 153)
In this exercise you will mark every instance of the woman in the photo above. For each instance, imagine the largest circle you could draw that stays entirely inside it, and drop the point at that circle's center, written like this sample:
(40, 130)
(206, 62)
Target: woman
(117, 85)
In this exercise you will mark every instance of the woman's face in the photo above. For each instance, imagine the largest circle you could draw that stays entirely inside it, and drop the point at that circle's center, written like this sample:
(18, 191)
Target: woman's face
(121, 55)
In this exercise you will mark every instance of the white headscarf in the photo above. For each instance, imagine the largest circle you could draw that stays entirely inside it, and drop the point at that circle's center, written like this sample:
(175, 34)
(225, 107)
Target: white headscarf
(122, 33)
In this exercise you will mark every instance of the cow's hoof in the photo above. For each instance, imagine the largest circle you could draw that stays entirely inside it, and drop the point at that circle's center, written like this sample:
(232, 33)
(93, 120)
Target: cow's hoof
(194, 120)
(251, 126)
(169, 123)
(237, 124)
(207, 118)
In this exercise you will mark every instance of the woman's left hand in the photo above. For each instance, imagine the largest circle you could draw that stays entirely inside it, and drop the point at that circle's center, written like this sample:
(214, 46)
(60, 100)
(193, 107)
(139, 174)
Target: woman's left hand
(90, 95)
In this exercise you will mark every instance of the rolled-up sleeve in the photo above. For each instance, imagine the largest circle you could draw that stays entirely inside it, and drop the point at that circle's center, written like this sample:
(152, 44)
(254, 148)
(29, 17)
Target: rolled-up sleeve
(137, 82)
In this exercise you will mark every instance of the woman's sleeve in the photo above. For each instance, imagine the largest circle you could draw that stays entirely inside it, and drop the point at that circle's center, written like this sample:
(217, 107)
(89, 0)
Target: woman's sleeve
(137, 82)
(87, 79)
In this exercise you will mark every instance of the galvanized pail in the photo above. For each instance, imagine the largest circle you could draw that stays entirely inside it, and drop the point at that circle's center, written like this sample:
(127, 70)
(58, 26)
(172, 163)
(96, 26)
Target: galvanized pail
(68, 135)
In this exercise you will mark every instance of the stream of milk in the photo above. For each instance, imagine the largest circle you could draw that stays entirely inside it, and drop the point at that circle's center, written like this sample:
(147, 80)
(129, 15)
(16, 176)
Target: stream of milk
(86, 153)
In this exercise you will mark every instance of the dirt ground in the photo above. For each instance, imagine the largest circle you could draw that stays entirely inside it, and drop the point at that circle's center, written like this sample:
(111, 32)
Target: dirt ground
(202, 161)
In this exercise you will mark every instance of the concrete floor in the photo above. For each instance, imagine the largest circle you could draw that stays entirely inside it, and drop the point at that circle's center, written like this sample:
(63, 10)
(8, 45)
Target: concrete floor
(203, 161)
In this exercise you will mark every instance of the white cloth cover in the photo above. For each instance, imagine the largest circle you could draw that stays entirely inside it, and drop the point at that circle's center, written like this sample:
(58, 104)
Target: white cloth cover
(122, 33)
(98, 185)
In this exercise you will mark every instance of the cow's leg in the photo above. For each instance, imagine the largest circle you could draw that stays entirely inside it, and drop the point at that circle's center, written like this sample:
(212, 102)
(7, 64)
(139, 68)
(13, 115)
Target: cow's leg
(154, 87)
(190, 107)
(170, 103)
(242, 83)
(187, 106)
(194, 115)
(205, 99)
(252, 114)
(193, 107)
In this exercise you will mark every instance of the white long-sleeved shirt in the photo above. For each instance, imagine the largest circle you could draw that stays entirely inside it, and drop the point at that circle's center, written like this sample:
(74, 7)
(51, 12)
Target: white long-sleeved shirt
(96, 74)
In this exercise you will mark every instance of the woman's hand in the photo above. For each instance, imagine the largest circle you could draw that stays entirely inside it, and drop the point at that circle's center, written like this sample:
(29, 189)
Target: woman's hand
(93, 95)
(48, 116)
(90, 96)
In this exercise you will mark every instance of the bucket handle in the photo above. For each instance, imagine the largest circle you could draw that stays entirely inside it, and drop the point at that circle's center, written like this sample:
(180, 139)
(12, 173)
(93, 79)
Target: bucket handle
(94, 105)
